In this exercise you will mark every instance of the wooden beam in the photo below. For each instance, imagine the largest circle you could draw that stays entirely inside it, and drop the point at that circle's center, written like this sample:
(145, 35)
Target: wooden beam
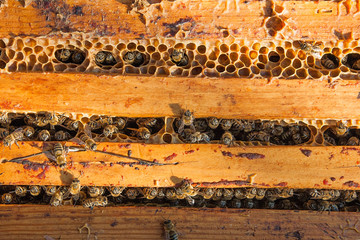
(211, 165)
(318, 20)
(35, 222)
(158, 97)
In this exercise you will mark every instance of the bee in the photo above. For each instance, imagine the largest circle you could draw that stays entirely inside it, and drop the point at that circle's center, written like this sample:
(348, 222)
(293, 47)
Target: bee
(171, 194)
(267, 125)
(198, 137)
(69, 124)
(50, 190)
(4, 133)
(179, 57)
(269, 204)
(161, 193)
(39, 120)
(14, 137)
(20, 191)
(116, 191)
(221, 203)
(353, 141)
(149, 193)
(105, 58)
(142, 133)
(4, 119)
(249, 203)
(213, 122)
(96, 191)
(327, 206)
(315, 194)
(57, 199)
(109, 130)
(120, 122)
(187, 189)
(187, 119)
(226, 124)
(239, 193)
(244, 125)
(63, 55)
(170, 231)
(259, 136)
(207, 193)
(132, 193)
(85, 139)
(62, 135)
(277, 131)
(7, 198)
(305, 133)
(227, 138)
(44, 135)
(272, 194)
(200, 125)
(228, 193)
(329, 139)
(52, 118)
(236, 203)
(330, 195)
(35, 190)
(75, 188)
(356, 65)
(94, 125)
(260, 193)
(286, 193)
(329, 63)
(77, 57)
(250, 193)
(59, 154)
(29, 131)
(349, 196)
(104, 121)
(311, 205)
(100, 201)
(311, 48)
(146, 122)
(134, 58)
(217, 194)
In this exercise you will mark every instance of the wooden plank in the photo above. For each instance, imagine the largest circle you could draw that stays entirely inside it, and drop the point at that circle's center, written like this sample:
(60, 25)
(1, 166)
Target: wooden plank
(135, 96)
(320, 20)
(35, 222)
(211, 165)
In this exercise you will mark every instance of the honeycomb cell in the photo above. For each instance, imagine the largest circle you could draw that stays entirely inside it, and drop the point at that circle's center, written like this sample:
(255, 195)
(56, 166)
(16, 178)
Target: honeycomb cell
(263, 58)
(220, 68)
(239, 65)
(255, 69)
(211, 73)
(224, 59)
(285, 62)
(132, 70)
(19, 56)
(256, 46)
(48, 67)
(245, 59)
(201, 49)
(335, 73)
(224, 48)
(244, 49)
(352, 61)
(105, 58)
(260, 65)
(244, 72)
(230, 68)
(2, 64)
(274, 57)
(278, 9)
(162, 47)
(214, 54)
(19, 44)
(12, 67)
(152, 70)
(314, 73)
(210, 64)
(357, 49)
(201, 59)
(265, 74)
(131, 46)
(135, 58)
(280, 50)
(162, 71)
(58, 67)
(21, 67)
(38, 49)
(344, 69)
(167, 138)
(310, 61)
(235, 47)
(191, 46)
(176, 72)
(290, 53)
(234, 56)
(10, 53)
(275, 23)
(150, 49)
(43, 58)
(156, 56)
(289, 71)
(121, 46)
(27, 51)
(297, 63)
(329, 61)
(276, 71)
(253, 54)
(301, 55)
(28, 42)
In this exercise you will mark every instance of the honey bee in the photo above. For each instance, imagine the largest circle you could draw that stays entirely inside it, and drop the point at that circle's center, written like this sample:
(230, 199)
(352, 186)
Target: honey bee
(4, 133)
(269, 204)
(187, 119)
(228, 193)
(4, 119)
(171, 194)
(60, 155)
(146, 122)
(104, 121)
(353, 141)
(311, 48)
(94, 125)
(96, 191)
(179, 57)
(109, 130)
(116, 191)
(57, 199)
(236, 203)
(226, 124)
(227, 138)
(39, 120)
(44, 135)
(272, 194)
(50, 190)
(349, 196)
(69, 124)
(105, 58)
(187, 189)
(29, 131)
(278, 130)
(85, 139)
(161, 193)
(250, 193)
(132, 193)
(7, 198)
(63, 55)
(260, 193)
(329, 63)
(149, 193)
(198, 137)
(330, 195)
(244, 125)
(77, 57)
(356, 65)
(75, 188)
(329, 139)
(207, 193)
(213, 122)
(35, 191)
(120, 122)
(62, 136)
(221, 203)
(311, 205)
(170, 231)
(217, 194)
(239, 193)
(200, 125)
(249, 203)
(259, 136)
(142, 133)
(100, 201)
(286, 193)
(327, 206)
(134, 58)
(14, 137)
(20, 191)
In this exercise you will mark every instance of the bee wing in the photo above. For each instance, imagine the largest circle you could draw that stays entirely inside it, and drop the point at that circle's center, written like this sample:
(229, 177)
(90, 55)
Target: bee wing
(20, 129)
(77, 140)
(87, 130)
(50, 155)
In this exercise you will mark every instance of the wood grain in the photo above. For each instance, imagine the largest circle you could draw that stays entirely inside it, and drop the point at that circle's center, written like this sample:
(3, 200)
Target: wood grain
(135, 96)
(35, 222)
(317, 20)
(211, 165)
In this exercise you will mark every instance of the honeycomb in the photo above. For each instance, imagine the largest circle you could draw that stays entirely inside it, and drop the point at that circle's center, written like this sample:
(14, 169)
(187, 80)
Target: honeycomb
(272, 198)
(229, 57)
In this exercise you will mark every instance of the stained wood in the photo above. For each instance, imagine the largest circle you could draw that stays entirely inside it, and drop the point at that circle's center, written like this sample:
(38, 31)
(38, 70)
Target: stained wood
(135, 96)
(318, 20)
(211, 165)
(35, 222)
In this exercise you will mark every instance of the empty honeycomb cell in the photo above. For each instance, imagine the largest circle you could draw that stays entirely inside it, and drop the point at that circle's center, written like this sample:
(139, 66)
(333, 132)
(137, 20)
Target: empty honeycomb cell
(10, 42)
(344, 69)
(2, 44)
(10, 53)
(220, 68)
(256, 46)
(230, 68)
(191, 46)
(285, 62)
(274, 57)
(214, 54)
(210, 64)
(234, 56)
(335, 73)
(19, 56)
(162, 47)
(280, 50)
(211, 73)
(235, 47)
(131, 70)
(27, 51)
(21, 66)
(162, 71)
(244, 72)
(180, 46)
(326, 50)
(225, 33)
(30, 42)
(275, 23)
(310, 60)
(2, 64)
(330, 61)
(290, 53)
(357, 49)
(60, 67)
(43, 58)
(297, 63)
(43, 41)
(263, 50)
(49, 50)
(87, 44)
(167, 138)
(260, 65)
(276, 71)
(12, 67)
(121, 46)
(152, 70)
(314, 73)
(19, 44)
(143, 70)
(48, 67)
(244, 49)
(245, 59)
(201, 59)
(302, 55)
(108, 48)
(352, 61)
(319, 139)
(324, 72)
(288, 72)
(98, 45)
(150, 49)
(201, 49)
(265, 74)
(336, 51)
(224, 59)
(239, 65)
(288, 44)
(38, 49)
(255, 69)
(131, 46)
(156, 56)
(253, 54)
(278, 9)
(263, 58)
(224, 48)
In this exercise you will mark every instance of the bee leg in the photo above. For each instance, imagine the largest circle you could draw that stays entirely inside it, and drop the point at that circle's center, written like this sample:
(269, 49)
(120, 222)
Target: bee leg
(17, 144)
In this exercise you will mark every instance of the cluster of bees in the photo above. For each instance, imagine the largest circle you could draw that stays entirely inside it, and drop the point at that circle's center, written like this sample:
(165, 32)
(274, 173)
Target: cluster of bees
(342, 135)
(184, 195)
